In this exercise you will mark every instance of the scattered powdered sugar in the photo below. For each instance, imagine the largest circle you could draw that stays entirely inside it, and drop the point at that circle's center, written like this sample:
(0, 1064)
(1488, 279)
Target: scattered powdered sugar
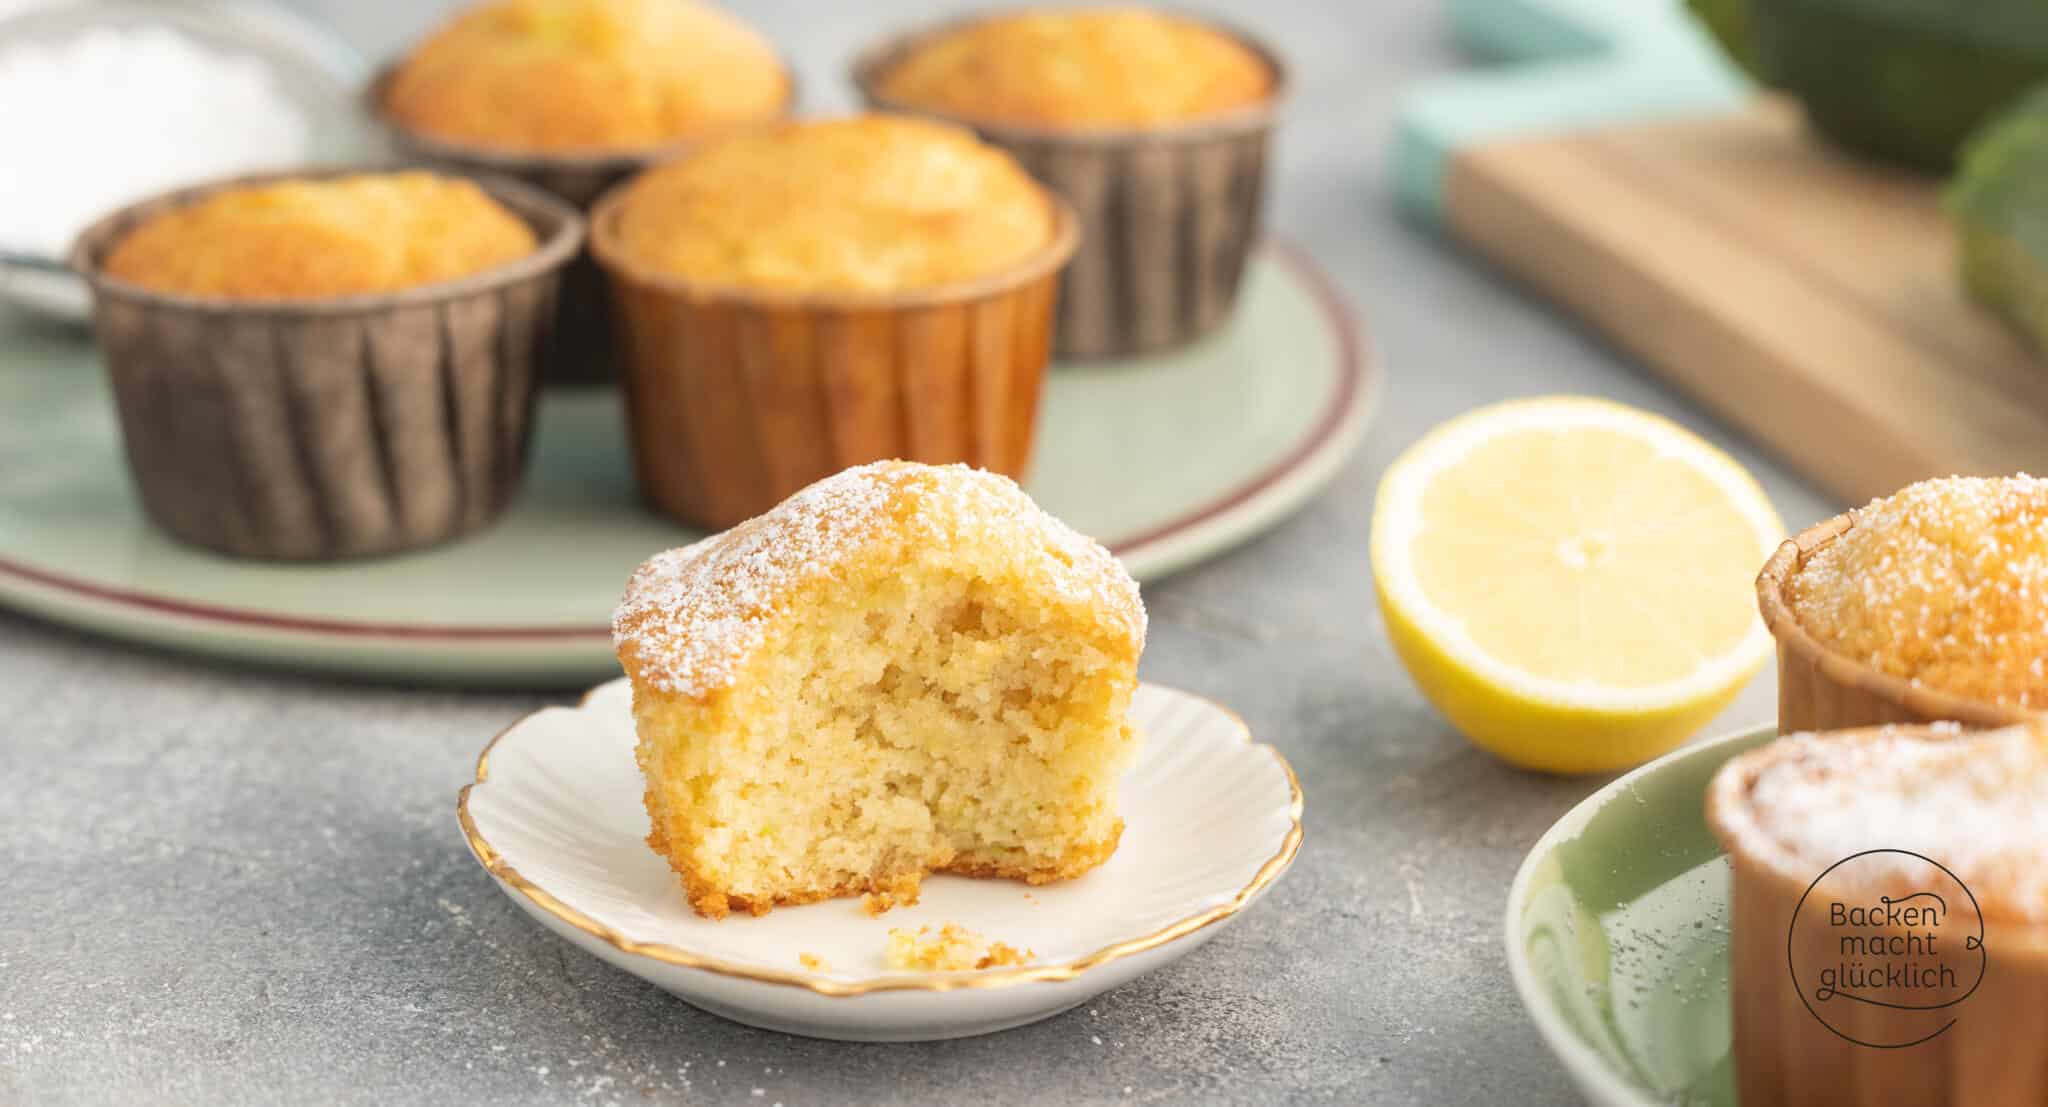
(1944, 583)
(1976, 803)
(692, 616)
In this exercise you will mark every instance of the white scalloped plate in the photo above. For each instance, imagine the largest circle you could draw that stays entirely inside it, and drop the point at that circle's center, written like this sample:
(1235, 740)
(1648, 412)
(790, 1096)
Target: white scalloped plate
(1212, 819)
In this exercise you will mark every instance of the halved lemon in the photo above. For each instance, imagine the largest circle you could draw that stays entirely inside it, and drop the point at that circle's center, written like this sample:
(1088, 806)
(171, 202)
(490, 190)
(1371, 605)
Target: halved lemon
(1572, 581)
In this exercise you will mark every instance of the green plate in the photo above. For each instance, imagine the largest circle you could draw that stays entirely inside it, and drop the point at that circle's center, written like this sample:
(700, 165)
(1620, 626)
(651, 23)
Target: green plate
(1617, 933)
(1165, 459)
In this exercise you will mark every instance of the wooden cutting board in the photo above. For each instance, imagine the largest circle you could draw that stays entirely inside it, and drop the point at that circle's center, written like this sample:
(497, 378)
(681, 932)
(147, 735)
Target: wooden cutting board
(1806, 298)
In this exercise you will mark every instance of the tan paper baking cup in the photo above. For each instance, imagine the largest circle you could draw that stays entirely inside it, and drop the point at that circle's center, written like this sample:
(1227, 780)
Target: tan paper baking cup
(737, 398)
(1168, 214)
(1786, 1057)
(1819, 689)
(329, 428)
(590, 351)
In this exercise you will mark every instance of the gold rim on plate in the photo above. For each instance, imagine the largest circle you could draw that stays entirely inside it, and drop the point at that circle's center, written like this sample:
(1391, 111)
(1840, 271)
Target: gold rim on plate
(495, 864)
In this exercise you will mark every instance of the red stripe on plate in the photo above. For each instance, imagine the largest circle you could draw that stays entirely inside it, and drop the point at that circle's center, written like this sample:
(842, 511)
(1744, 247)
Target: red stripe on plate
(1350, 390)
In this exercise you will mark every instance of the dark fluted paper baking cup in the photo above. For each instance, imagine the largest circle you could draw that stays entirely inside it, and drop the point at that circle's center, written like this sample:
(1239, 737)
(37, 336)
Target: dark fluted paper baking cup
(579, 176)
(1168, 214)
(330, 428)
(737, 398)
(1820, 689)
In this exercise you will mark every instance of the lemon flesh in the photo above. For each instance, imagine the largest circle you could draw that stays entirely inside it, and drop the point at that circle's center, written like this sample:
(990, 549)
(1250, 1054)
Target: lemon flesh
(1571, 581)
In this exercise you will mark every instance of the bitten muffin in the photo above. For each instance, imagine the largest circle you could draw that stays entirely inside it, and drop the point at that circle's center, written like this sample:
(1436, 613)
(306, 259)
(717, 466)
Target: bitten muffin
(1796, 818)
(1929, 604)
(903, 669)
(565, 75)
(1153, 126)
(1080, 67)
(301, 238)
(870, 204)
(823, 294)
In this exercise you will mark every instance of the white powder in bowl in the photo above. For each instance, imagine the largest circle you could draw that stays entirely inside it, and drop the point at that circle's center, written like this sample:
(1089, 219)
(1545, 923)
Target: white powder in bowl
(113, 114)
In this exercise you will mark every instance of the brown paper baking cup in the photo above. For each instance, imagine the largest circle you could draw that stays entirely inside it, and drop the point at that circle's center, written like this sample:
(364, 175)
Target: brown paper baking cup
(737, 398)
(1819, 689)
(590, 350)
(331, 428)
(1168, 214)
(1785, 1056)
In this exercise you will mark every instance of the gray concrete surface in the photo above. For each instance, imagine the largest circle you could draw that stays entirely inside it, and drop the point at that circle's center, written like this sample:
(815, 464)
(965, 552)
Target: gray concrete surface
(223, 886)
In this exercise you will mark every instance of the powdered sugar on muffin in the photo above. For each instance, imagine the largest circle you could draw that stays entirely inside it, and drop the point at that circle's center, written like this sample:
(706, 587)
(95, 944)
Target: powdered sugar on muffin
(1976, 803)
(691, 615)
(1944, 584)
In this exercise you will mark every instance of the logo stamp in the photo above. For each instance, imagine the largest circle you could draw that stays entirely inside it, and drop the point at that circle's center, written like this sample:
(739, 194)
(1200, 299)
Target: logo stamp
(1885, 948)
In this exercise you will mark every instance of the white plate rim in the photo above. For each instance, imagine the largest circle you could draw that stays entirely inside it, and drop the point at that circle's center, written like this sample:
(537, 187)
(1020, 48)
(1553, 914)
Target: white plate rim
(512, 880)
(1580, 1060)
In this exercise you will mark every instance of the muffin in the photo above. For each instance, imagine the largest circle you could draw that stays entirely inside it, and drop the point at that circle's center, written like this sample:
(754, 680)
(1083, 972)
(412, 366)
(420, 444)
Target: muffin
(816, 295)
(1081, 68)
(1926, 605)
(306, 239)
(863, 206)
(903, 669)
(1886, 820)
(586, 75)
(574, 96)
(1153, 126)
(326, 365)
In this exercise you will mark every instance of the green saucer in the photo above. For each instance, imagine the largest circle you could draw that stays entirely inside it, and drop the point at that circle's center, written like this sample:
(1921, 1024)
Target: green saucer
(1165, 459)
(1617, 931)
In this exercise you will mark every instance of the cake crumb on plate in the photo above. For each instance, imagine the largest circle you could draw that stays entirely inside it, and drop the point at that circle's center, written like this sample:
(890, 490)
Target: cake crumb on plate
(903, 893)
(813, 962)
(953, 949)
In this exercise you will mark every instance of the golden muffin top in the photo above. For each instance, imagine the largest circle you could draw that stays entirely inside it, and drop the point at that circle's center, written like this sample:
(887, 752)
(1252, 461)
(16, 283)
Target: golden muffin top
(864, 204)
(1944, 584)
(1975, 802)
(294, 239)
(1088, 67)
(569, 75)
(692, 616)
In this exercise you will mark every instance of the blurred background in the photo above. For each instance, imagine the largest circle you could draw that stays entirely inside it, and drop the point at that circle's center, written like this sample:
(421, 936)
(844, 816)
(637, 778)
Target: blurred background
(1509, 198)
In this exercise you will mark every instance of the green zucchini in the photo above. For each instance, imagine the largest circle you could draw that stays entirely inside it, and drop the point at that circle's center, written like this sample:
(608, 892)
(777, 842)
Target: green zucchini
(1999, 202)
(1728, 22)
(1904, 81)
